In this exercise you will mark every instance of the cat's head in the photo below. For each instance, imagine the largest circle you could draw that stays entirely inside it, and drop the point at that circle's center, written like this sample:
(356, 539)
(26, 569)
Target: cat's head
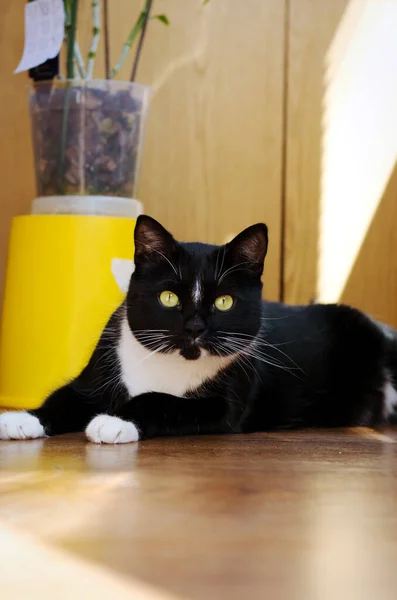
(193, 298)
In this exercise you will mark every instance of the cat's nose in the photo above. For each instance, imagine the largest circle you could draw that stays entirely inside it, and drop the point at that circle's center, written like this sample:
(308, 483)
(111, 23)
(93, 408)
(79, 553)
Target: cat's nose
(195, 327)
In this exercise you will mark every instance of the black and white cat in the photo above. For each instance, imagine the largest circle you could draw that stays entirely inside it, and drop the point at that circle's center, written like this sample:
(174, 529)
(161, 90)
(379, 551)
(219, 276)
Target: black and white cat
(195, 350)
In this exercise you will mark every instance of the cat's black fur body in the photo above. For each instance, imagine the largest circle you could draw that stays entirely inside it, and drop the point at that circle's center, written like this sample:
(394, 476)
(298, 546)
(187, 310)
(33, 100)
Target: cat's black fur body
(306, 366)
(336, 384)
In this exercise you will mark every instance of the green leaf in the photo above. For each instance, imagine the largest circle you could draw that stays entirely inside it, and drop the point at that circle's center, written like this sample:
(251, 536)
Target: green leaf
(163, 18)
(205, 2)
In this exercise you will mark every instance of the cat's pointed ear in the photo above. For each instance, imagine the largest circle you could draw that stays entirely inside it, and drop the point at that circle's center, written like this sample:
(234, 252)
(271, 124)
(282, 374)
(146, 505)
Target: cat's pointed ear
(152, 240)
(249, 247)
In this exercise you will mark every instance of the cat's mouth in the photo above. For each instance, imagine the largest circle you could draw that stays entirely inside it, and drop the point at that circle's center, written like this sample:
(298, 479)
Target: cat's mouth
(192, 349)
(191, 352)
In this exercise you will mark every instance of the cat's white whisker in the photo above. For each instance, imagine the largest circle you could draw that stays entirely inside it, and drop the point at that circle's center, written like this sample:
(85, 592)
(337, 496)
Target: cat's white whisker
(173, 267)
(107, 383)
(239, 359)
(252, 352)
(258, 342)
(223, 260)
(255, 337)
(179, 268)
(274, 347)
(232, 269)
(148, 356)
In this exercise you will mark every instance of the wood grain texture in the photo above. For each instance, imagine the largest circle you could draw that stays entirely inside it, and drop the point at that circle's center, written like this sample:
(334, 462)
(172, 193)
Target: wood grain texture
(312, 25)
(212, 163)
(288, 515)
(16, 162)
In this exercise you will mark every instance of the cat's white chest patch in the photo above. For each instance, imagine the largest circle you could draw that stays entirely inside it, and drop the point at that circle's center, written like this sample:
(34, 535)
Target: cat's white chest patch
(142, 371)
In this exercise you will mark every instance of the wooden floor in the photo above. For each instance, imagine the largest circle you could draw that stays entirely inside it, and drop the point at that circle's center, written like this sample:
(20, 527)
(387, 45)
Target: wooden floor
(282, 516)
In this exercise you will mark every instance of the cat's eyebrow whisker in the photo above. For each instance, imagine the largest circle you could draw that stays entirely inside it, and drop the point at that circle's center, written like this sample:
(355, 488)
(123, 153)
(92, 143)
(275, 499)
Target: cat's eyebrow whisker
(179, 268)
(223, 260)
(173, 267)
(218, 271)
(232, 269)
(216, 263)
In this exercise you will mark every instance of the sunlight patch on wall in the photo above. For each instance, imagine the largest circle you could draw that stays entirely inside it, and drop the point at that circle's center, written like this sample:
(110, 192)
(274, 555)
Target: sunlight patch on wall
(359, 135)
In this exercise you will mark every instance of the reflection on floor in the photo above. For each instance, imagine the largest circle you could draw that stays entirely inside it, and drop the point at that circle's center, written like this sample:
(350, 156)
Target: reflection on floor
(289, 515)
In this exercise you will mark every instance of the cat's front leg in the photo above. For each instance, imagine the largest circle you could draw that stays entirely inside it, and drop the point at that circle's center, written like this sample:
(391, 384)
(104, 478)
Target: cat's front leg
(66, 410)
(155, 414)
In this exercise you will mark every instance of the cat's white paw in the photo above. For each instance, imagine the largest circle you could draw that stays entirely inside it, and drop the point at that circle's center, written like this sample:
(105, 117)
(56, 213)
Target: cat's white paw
(105, 429)
(20, 426)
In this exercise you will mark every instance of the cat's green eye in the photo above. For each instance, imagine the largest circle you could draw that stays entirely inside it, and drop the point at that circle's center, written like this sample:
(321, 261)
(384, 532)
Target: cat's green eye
(224, 302)
(169, 299)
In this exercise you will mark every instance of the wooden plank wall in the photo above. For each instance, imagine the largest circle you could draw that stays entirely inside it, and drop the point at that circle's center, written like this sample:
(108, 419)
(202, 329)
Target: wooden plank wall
(312, 24)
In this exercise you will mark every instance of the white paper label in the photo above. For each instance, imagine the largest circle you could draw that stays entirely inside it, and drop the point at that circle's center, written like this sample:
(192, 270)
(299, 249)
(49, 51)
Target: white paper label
(44, 31)
(122, 270)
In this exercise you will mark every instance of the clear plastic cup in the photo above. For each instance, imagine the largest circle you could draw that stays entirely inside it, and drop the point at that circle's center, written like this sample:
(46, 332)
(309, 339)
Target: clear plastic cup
(88, 142)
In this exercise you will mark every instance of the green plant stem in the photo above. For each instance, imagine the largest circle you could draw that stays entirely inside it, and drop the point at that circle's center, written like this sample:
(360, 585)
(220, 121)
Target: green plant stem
(71, 7)
(73, 4)
(79, 60)
(146, 17)
(96, 31)
(127, 46)
(106, 37)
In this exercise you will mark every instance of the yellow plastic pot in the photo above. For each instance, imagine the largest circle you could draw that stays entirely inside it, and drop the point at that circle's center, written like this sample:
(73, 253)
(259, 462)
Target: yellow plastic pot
(60, 290)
